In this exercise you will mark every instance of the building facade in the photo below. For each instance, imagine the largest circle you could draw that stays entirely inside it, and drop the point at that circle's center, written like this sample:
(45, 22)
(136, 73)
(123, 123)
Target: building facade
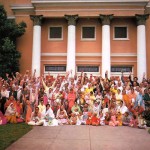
(83, 35)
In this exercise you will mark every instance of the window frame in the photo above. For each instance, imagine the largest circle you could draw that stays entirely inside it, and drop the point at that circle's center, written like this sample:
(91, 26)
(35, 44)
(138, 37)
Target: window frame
(127, 38)
(88, 66)
(55, 66)
(55, 39)
(88, 39)
(121, 66)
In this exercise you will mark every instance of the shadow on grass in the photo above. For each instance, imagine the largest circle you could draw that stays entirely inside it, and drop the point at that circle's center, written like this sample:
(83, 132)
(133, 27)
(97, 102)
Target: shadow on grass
(11, 132)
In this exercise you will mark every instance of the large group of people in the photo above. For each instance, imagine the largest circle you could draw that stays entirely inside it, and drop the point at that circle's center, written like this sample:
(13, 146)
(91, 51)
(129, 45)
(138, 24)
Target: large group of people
(74, 100)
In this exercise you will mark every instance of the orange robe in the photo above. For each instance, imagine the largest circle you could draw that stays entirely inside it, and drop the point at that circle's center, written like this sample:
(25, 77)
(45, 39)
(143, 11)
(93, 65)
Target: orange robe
(71, 99)
(126, 100)
(28, 113)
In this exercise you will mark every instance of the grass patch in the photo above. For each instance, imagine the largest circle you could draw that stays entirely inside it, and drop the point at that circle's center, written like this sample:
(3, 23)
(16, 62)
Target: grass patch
(9, 133)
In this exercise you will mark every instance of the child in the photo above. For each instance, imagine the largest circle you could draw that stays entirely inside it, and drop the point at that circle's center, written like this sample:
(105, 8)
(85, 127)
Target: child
(95, 120)
(102, 119)
(96, 108)
(107, 118)
(126, 119)
(89, 121)
(73, 119)
(84, 116)
(62, 118)
(133, 121)
(119, 118)
(113, 120)
(87, 98)
(141, 122)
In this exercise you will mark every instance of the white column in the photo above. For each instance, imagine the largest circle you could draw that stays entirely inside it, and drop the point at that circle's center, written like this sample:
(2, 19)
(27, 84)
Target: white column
(71, 49)
(141, 46)
(36, 48)
(141, 52)
(71, 43)
(106, 48)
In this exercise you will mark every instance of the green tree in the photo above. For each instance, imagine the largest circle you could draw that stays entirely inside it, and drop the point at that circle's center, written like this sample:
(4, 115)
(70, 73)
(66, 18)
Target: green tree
(9, 32)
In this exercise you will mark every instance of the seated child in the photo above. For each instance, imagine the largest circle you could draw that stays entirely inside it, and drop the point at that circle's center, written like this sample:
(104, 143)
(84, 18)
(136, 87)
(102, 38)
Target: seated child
(126, 119)
(73, 119)
(96, 108)
(62, 118)
(113, 120)
(76, 112)
(84, 116)
(133, 121)
(107, 118)
(102, 119)
(89, 119)
(95, 120)
(119, 118)
(141, 122)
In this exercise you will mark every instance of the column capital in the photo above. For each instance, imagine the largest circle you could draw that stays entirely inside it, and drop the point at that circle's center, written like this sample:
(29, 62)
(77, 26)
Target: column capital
(36, 19)
(71, 19)
(141, 19)
(106, 19)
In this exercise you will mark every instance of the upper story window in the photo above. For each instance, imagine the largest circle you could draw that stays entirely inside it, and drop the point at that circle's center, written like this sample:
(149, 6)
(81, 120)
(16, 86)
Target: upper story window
(121, 68)
(88, 68)
(88, 33)
(55, 33)
(55, 68)
(120, 33)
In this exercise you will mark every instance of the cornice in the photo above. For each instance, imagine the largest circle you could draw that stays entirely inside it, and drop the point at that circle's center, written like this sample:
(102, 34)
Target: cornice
(22, 7)
(91, 61)
(90, 2)
(90, 54)
(46, 3)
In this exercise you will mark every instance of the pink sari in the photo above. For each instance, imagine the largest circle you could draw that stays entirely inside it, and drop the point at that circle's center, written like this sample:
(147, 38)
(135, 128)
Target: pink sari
(4, 120)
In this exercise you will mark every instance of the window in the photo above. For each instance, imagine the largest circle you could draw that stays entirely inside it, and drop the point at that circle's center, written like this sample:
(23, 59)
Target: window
(55, 33)
(55, 68)
(88, 33)
(88, 68)
(121, 68)
(120, 32)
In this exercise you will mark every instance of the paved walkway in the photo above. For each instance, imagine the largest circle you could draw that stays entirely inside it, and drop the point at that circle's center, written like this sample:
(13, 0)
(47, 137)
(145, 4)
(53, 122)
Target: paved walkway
(83, 138)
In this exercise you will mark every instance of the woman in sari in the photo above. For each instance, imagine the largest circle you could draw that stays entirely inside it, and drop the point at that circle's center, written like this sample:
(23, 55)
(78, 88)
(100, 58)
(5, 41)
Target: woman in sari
(36, 118)
(71, 98)
(19, 112)
(10, 114)
(48, 117)
(27, 111)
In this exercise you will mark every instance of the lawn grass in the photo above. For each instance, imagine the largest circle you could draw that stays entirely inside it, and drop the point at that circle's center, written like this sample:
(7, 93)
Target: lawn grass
(9, 133)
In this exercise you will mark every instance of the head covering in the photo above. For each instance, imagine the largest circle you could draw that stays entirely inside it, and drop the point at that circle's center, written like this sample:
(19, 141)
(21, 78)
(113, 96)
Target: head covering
(10, 110)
